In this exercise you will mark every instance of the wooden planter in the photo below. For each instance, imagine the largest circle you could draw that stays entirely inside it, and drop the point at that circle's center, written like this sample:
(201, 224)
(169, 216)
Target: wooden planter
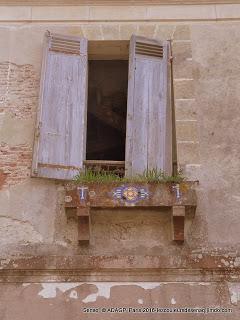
(81, 198)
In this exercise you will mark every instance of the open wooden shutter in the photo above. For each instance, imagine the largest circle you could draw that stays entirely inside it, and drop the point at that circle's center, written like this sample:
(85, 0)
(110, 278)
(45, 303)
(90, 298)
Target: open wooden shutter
(60, 139)
(149, 117)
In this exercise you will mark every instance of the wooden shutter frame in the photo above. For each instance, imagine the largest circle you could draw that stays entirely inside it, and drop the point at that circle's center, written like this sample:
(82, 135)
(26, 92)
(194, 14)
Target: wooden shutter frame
(46, 47)
(34, 172)
(167, 148)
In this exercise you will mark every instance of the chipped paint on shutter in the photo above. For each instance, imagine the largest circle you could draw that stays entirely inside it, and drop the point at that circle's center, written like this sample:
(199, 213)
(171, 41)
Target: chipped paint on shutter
(149, 120)
(60, 140)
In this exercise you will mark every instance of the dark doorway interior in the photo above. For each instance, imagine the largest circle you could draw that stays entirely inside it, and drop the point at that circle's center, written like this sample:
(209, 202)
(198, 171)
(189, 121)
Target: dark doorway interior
(107, 108)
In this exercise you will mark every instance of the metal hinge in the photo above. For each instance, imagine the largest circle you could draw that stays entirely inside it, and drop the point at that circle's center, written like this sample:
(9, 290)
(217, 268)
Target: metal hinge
(37, 134)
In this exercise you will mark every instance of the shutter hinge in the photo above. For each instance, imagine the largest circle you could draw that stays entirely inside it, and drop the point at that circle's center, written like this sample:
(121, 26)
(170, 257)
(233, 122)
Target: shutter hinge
(37, 134)
(170, 58)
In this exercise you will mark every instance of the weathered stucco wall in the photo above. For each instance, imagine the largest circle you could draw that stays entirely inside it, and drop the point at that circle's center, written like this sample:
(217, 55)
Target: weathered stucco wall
(20, 72)
(100, 300)
(216, 58)
(38, 244)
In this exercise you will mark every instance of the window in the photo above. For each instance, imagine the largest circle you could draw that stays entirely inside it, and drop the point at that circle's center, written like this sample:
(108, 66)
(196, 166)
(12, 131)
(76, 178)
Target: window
(107, 100)
(103, 101)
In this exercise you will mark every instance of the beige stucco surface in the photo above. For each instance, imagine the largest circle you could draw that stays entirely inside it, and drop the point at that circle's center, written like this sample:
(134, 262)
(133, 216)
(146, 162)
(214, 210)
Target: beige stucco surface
(216, 73)
(34, 230)
(21, 76)
(94, 300)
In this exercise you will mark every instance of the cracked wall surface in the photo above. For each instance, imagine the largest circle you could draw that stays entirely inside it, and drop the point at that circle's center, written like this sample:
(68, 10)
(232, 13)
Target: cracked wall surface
(39, 244)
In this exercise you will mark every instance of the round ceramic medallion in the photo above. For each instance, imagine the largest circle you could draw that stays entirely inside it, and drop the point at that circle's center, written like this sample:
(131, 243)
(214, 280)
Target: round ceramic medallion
(130, 193)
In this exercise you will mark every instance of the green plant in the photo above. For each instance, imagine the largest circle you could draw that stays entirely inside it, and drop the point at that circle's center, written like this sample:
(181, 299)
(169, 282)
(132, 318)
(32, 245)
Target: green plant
(96, 176)
(149, 175)
(158, 176)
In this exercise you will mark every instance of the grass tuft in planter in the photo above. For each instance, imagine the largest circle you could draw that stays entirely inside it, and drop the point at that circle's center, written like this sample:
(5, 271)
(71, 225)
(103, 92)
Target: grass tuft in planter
(148, 176)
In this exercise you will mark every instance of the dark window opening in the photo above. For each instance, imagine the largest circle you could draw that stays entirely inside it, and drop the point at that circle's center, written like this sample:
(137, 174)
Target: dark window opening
(107, 109)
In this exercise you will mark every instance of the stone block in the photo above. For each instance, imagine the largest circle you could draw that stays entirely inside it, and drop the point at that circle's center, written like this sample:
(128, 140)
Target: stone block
(60, 13)
(74, 30)
(127, 30)
(188, 152)
(31, 48)
(186, 130)
(181, 50)
(228, 11)
(182, 32)
(5, 49)
(164, 32)
(182, 69)
(92, 32)
(111, 13)
(185, 109)
(178, 12)
(184, 89)
(192, 171)
(111, 32)
(146, 30)
(17, 13)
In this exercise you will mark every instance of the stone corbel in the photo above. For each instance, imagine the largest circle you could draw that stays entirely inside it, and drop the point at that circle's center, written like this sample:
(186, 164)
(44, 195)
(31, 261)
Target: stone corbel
(83, 215)
(81, 199)
(178, 222)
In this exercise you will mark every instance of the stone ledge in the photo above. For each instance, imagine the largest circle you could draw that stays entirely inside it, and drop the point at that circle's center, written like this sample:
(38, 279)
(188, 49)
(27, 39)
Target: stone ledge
(200, 12)
(86, 196)
(165, 275)
(112, 2)
(189, 261)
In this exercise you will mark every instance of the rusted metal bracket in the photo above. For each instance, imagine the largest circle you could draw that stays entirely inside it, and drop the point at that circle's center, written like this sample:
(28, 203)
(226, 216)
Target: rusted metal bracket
(81, 199)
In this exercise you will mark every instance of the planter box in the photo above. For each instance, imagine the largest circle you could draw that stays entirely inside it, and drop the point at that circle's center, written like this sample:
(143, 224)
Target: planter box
(81, 198)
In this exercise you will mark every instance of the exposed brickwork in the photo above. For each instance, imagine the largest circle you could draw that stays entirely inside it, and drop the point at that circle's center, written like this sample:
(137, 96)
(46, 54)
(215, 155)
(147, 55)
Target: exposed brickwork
(3, 177)
(19, 87)
(15, 163)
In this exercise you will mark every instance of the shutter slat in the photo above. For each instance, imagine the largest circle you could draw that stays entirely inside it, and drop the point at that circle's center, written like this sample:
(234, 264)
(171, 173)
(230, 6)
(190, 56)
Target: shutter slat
(149, 49)
(65, 45)
(64, 50)
(64, 40)
(149, 45)
(144, 53)
(149, 125)
(60, 148)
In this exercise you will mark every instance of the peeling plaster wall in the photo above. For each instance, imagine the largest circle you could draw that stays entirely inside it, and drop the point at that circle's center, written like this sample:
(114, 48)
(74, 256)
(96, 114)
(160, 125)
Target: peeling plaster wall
(91, 300)
(204, 152)
(19, 74)
(34, 231)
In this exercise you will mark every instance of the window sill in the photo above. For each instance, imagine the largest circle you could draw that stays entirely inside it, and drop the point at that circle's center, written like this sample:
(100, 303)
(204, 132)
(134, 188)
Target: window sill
(80, 199)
